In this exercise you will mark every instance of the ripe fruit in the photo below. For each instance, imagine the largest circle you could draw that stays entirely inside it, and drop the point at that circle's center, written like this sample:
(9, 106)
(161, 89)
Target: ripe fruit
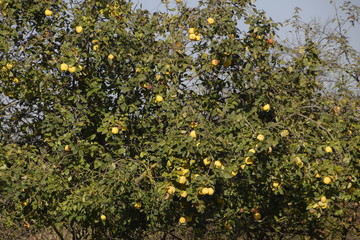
(266, 107)
(15, 80)
(182, 180)
(115, 130)
(249, 161)
(191, 31)
(138, 205)
(67, 148)
(337, 109)
(328, 149)
(284, 133)
(252, 150)
(218, 164)
(171, 190)
(228, 226)
(72, 69)
(234, 173)
(301, 50)
(260, 137)
(257, 216)
(96, 47)
(48, 12)
(215, 62)
(327, 180)
(275, 184)
(206, 161)
(210, 21)
(64, 67)
(270, 41)
(159, 98)
(78, 29)
(197, 37)
(323, 199)
(298, 162)
(103, 217)
(315, 205)
(204, 191)
(192, 134)
(193, 124)
(182, 220)
(192, 36)
(111, 57)
(183, 194)
(8, 66)
(211, 191)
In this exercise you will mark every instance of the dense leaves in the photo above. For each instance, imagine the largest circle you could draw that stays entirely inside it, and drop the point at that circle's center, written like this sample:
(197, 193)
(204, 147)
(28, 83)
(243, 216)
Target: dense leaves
(117, 122)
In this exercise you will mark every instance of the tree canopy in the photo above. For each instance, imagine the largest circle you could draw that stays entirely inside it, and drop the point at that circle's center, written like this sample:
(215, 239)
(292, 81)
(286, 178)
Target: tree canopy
(117, 123)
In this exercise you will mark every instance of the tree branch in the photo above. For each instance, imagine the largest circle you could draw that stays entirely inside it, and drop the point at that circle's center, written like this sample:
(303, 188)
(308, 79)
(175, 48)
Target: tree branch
(318, 124)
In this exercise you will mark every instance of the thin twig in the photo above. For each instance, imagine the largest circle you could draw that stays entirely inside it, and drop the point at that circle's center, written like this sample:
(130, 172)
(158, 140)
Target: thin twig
(318, 124)
(9, 105)
(248, 123)
(58, 233)
(310, 107)
(147, 173)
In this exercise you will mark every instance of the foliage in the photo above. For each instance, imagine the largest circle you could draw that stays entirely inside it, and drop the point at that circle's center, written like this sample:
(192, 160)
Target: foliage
(123, 127)
(340, 61)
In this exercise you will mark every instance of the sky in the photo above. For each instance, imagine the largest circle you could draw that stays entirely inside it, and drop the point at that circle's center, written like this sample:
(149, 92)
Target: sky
(281, 10)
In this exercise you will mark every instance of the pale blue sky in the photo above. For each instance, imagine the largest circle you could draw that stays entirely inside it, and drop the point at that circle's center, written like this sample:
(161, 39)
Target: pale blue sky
(280, 10)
